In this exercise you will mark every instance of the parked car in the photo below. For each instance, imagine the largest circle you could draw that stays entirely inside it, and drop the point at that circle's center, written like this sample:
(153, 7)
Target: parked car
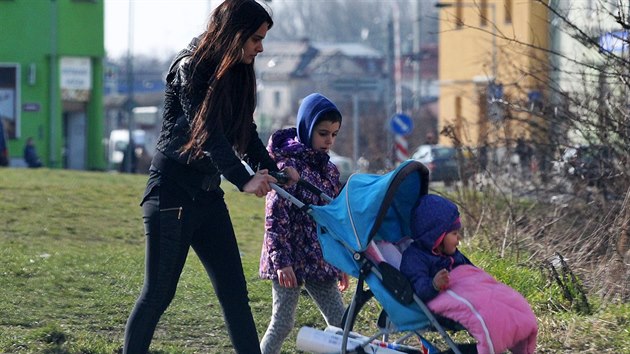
(344, 165)
(4, 150)
(440, 160)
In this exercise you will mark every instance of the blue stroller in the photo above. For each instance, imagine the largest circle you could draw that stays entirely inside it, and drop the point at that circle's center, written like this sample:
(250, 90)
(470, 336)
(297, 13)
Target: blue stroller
(372, 210)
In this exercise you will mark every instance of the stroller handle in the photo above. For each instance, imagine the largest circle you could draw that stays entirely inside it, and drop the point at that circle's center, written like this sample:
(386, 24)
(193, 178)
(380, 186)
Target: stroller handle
(286, 195)
(315, 190)
(282, 178)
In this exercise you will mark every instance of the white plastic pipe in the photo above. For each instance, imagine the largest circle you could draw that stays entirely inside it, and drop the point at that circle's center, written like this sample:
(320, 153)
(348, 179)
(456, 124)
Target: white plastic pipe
(320, 342)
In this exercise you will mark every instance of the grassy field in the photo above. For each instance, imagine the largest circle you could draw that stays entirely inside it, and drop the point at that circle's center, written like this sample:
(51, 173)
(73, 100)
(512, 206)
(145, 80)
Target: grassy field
(72, 255)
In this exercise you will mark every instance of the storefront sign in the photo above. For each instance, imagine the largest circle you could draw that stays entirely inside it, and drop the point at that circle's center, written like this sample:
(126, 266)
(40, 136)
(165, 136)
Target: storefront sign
(76, 78)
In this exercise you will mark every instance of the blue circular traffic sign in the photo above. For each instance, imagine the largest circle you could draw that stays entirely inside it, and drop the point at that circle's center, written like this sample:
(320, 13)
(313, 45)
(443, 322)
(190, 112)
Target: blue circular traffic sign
(401, 124)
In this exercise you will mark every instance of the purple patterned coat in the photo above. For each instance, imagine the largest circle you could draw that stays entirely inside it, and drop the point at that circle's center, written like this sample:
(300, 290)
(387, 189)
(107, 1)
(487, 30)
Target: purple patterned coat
(291, 234)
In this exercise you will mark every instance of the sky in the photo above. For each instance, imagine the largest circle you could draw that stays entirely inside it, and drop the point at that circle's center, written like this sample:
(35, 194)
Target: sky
(161, 27)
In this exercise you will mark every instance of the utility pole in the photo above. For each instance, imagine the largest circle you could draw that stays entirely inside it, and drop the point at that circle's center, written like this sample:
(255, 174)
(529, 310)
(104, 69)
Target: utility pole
(130, 102)
(401, 152)
(397, 55)
(53, 94)
(417, 48)
(390, 104)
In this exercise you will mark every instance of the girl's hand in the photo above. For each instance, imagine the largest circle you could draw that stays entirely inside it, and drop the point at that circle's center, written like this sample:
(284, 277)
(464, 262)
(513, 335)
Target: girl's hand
(259, 184)
(293, 174)
(441, 280)
(343, 282)
(286, 277)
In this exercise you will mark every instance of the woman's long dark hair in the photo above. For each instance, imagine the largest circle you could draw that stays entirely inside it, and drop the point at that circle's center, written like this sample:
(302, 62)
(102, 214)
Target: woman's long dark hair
(218, 71)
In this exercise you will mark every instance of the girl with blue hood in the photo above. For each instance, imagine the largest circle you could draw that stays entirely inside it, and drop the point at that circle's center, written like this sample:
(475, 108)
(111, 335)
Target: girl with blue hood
(291, 256)
(435, 225)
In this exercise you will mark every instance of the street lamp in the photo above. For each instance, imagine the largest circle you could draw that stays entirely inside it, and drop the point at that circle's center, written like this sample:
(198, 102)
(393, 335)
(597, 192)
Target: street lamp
(493, 7)
(131, 150)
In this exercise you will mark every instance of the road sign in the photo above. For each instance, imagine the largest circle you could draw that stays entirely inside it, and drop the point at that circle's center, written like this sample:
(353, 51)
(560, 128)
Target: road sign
(401, 124)
(401, 148)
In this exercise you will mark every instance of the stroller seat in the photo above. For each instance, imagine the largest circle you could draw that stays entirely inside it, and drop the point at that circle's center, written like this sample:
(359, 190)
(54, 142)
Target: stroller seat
(389, 252)
(383, 252)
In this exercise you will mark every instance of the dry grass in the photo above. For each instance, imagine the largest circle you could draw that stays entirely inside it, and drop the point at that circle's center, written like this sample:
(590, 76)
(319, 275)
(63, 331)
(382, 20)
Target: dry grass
(72, 250)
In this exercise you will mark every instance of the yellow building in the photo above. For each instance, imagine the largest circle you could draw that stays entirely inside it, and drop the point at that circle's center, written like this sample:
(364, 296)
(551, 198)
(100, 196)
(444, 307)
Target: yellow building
(492, 70)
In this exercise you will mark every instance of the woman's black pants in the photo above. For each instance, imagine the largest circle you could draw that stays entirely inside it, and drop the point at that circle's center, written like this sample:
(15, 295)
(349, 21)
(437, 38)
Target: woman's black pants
(173, 222)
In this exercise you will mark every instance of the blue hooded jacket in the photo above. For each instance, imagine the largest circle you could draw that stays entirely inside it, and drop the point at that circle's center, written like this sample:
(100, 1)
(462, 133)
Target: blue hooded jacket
(431, 220)
(311, 109)
(290, 233)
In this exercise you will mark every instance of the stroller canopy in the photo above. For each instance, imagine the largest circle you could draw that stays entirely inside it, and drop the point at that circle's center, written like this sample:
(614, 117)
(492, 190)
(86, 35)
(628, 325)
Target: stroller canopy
(373, 207)
(369, 207)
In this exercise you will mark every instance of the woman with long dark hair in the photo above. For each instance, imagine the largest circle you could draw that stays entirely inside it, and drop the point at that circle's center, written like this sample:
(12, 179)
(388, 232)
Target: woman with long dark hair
(207, 129)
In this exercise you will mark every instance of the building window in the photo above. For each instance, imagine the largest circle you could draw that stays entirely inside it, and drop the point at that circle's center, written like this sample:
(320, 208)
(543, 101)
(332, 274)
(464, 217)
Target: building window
(483, 117)
(459, 13)
(459, 120)
(458, 106)
(483, 13)
(508, 11)
(10, 99)
(277, 99)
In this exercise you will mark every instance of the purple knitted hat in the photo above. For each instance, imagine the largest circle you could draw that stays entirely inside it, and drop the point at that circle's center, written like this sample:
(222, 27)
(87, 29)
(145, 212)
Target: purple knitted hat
(434, 217)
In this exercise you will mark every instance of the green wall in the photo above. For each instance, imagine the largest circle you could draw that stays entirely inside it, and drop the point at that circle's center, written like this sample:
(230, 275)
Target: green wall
(36, 34)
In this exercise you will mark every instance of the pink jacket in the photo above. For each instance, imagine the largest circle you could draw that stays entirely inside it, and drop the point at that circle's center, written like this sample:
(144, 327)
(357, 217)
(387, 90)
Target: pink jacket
(497, 316)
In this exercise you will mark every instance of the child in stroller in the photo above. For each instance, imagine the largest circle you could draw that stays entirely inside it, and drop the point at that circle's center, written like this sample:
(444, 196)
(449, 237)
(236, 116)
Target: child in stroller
(435, 225)
(496, 315)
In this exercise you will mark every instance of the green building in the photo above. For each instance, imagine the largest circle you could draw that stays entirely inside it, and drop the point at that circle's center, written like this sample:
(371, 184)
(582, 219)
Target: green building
(51, 80)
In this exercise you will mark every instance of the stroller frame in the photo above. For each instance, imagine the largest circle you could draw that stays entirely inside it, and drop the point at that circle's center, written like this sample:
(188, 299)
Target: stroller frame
(372, 271)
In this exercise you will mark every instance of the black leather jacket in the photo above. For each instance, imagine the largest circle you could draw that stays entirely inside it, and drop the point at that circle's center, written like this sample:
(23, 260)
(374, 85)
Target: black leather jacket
(220, 158)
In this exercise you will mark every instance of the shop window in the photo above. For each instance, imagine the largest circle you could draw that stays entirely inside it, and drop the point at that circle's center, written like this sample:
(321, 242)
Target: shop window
(9, 99)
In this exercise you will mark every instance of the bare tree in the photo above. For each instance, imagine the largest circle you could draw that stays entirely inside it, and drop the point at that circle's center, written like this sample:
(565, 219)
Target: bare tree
(336, 21)
(577, 205)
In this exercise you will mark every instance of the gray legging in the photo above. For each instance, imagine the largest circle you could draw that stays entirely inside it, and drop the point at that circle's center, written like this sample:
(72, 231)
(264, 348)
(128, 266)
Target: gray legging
(285, 300)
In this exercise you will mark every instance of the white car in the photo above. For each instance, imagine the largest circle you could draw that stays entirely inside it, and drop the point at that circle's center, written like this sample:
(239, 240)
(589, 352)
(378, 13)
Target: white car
(118, 142)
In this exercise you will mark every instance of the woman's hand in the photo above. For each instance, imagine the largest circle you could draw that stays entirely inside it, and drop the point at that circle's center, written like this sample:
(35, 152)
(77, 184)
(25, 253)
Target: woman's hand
(259, 184)
(286, 277)
(441, 280)
(293, 175)
(343, 282)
